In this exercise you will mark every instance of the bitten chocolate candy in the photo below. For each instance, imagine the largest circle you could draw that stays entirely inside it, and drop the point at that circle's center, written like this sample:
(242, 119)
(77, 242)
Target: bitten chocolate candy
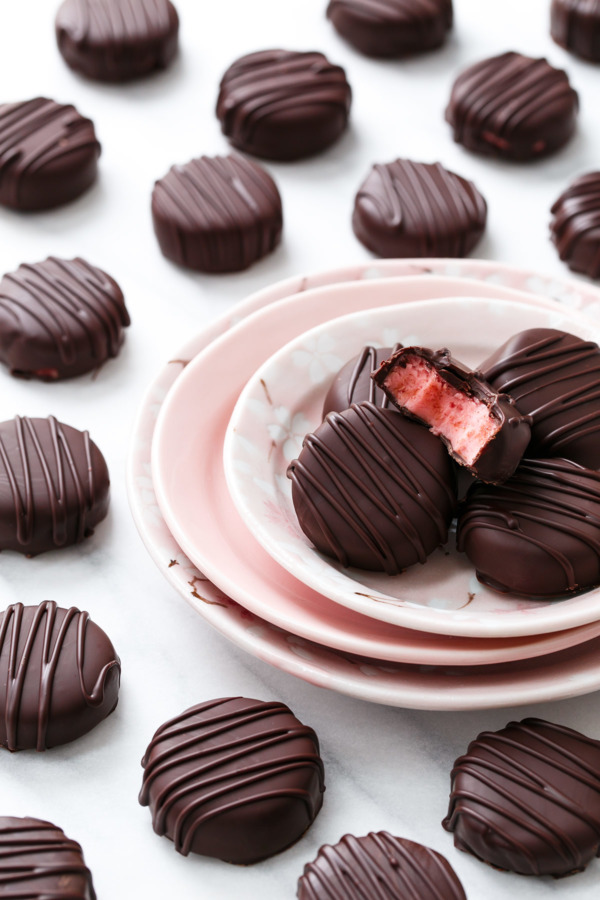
(38, 862)
(353, 383)
(575, 25)
(218, 214)
(575, 227)
(482, 429)
(538, 534)
(374, 490)
(512, 106)
(527, 799)
(112, 40)
(415, 209)
(281, 104)
(59, 318)
(48, 154)
(233, 778)
(59, 676)
(393, 27)
(554, 377)
(54, 485)
(376, 866)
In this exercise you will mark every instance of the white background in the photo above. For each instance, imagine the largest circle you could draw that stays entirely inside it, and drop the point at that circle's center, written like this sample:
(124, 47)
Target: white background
(386, 768)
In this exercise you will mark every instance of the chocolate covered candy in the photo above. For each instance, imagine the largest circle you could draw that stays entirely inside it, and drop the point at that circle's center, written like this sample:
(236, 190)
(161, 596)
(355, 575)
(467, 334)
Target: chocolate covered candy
(233, 778)
(218, 214)
(59, 676)
(415, 209)
(374, 490)
(39, 862)
(538, 534)
(110, 40)
(54, 485)
(48, 154)
(353, 383)
(392, 28)
(59, 318)
(527, 798)
(554, 377)
(482, 429)
(376, 866)
(282, 104)
(575, 227)
(513, 107)
(575, 25)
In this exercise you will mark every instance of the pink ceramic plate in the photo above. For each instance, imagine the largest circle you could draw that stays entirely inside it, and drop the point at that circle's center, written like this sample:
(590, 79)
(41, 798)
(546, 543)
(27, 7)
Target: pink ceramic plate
(556, 676)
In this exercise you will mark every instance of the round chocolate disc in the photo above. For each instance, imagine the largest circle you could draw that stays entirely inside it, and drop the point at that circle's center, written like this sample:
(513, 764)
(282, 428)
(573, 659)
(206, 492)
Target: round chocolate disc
(59, 318)
(408, 209)
(513, 107)
(109, 40)
(218, 214)
(575, 25)
(393, 27)
(54, 485)
(281, 104)
(575, 228)
(59, 676)
(233, 778)
(353, 383)
(48, 154)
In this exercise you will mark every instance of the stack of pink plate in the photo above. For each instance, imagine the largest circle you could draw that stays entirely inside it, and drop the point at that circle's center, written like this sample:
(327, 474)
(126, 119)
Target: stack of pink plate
(209, 495)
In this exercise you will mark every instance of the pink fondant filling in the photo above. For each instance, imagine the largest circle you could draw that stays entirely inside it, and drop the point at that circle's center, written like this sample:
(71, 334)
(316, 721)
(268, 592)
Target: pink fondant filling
(463, 421)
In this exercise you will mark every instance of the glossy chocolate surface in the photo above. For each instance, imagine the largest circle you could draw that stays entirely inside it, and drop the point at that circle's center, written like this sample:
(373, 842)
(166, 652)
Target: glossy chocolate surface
(500, 456)
(353, 383)
(48, 154)
(392, 28)
(233, 778)
(538, 534)
(112, 40)
(59, 318)
(282, 104)
(575, 25)
(408, 209)
(39, 862)
(554, 377)
(374, 490)
(575, 227)
(527, 798)
(217, 214)
(54, 485)
(513, 107)
(59, 676)
(379, 866)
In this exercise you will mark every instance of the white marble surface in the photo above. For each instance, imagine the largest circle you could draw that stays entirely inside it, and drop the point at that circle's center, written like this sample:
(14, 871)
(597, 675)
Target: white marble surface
(386, 768)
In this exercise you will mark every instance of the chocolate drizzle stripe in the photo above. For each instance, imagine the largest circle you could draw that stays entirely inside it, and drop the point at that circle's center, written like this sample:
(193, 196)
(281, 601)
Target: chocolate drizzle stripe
(367, 359)
(113, 20)
(384, 10)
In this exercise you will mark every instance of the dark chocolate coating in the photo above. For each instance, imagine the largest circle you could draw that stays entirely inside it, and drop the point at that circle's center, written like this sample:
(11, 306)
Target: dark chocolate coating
(513, 107)
(392, 28)
(113, 40)
(59, 676)
(353, 383)
(54, 485)
(373, 489)
(379, 866)
(217, 214)
(527, 799)
(233, 778)
(538, 534)
(554, 377)
(284, 105)
(48, 154)
(39, 862)
(501, 455)
(575, 227)
(59, 318)
(408, 209)
(575, 25)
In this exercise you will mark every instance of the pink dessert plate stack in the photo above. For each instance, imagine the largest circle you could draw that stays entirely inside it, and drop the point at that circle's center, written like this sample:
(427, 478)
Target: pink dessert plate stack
(207, 488)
